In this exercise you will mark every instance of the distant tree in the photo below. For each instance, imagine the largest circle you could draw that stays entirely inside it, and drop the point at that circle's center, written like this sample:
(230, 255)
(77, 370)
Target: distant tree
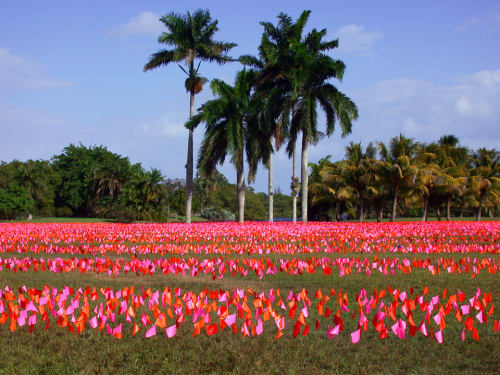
(400, 165)
(484, 182)
(15, 200)
(92, 178)
(359, 171)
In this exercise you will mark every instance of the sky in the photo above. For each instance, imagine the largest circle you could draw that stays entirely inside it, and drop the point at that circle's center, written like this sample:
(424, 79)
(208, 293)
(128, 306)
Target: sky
(71, 72)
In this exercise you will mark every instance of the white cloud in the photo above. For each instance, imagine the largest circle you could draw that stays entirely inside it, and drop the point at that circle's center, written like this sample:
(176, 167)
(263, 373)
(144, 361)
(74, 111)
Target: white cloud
(467, 107)
(145, 23)
(489, 21)
(164, 127)
(354, 38)
(463, 106)
(19, 72)
(469, 24)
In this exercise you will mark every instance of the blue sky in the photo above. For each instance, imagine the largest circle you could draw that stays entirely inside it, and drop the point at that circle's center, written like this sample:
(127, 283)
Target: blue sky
(71, 72)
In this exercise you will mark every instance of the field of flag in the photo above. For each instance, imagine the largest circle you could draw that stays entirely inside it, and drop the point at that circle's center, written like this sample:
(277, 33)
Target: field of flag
(362, 287)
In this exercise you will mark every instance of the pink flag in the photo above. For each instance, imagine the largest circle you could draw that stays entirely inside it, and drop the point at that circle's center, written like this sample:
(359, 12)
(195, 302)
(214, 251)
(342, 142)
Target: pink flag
(31, 307)
(423, 329)
(437, 318)
(463, 335)
(479, 316)
(439, 336)
(171, 331)
(151, 332)
(259, 328)
(465, 309)
(32, 320)
(333, 331)
(305, 312)
(117, 329)
(230, 320)
(355, 336)
(93, 322)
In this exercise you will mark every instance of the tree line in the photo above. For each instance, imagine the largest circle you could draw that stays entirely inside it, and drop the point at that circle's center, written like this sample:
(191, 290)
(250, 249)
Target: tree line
(95, 182)
(408, 178)
(404, 177)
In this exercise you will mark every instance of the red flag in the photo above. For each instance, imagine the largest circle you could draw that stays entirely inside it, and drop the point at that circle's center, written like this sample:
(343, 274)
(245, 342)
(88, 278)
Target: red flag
(212, 329)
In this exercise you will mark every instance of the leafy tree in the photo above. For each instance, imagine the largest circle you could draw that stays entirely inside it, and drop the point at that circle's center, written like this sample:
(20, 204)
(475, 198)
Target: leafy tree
(400, 165)
(93, 179)
(359, 171)
(316, 92)
(485, 179)
(37, 177)
(14, 201)
(329, 189)
(191, 36)
(279, 57)
(230, 129)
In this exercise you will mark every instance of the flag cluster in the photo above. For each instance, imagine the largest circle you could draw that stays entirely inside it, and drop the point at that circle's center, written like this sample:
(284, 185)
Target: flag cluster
(387, 312)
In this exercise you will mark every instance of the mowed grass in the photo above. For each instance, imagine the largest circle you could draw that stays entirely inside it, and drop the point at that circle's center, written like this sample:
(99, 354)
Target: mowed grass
(56, 351)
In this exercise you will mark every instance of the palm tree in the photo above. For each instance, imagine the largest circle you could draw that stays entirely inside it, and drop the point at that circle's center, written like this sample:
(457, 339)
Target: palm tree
(429, 177)
(454, 162)
(231, 128)
(485, 178)
(328, 185)
(377, 192)
(400, 165)
(359, 171)
(191, 36)
(315, 91)
(276, 64)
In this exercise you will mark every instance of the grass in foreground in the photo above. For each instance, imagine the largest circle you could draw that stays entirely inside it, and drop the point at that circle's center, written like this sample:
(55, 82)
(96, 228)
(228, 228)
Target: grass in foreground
(57, 351)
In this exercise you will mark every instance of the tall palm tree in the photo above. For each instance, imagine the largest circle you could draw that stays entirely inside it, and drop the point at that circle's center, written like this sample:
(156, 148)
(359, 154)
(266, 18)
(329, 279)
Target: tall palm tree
(400, 165)
(191, 36)
(231, 128)
(315, 91)
(277, 63)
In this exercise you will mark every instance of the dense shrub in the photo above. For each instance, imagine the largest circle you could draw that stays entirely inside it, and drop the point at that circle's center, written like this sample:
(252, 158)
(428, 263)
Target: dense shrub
(15, 201)
(64, 211)
(211, 213)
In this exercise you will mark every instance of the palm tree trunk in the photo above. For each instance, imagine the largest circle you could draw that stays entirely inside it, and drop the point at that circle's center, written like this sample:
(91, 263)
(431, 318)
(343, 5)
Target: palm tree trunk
(189, 164)
(378, 213)
(304, 176)
(361, 208)
(337, 211)
(294, 179)
(240, 191)
(426, 205)
(448, 209)
(394, 203)
(478, 216)
(270, 189)
(438, 213)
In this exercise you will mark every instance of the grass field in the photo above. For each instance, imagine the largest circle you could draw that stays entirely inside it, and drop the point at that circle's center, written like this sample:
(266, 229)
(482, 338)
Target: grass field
(58, 351)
